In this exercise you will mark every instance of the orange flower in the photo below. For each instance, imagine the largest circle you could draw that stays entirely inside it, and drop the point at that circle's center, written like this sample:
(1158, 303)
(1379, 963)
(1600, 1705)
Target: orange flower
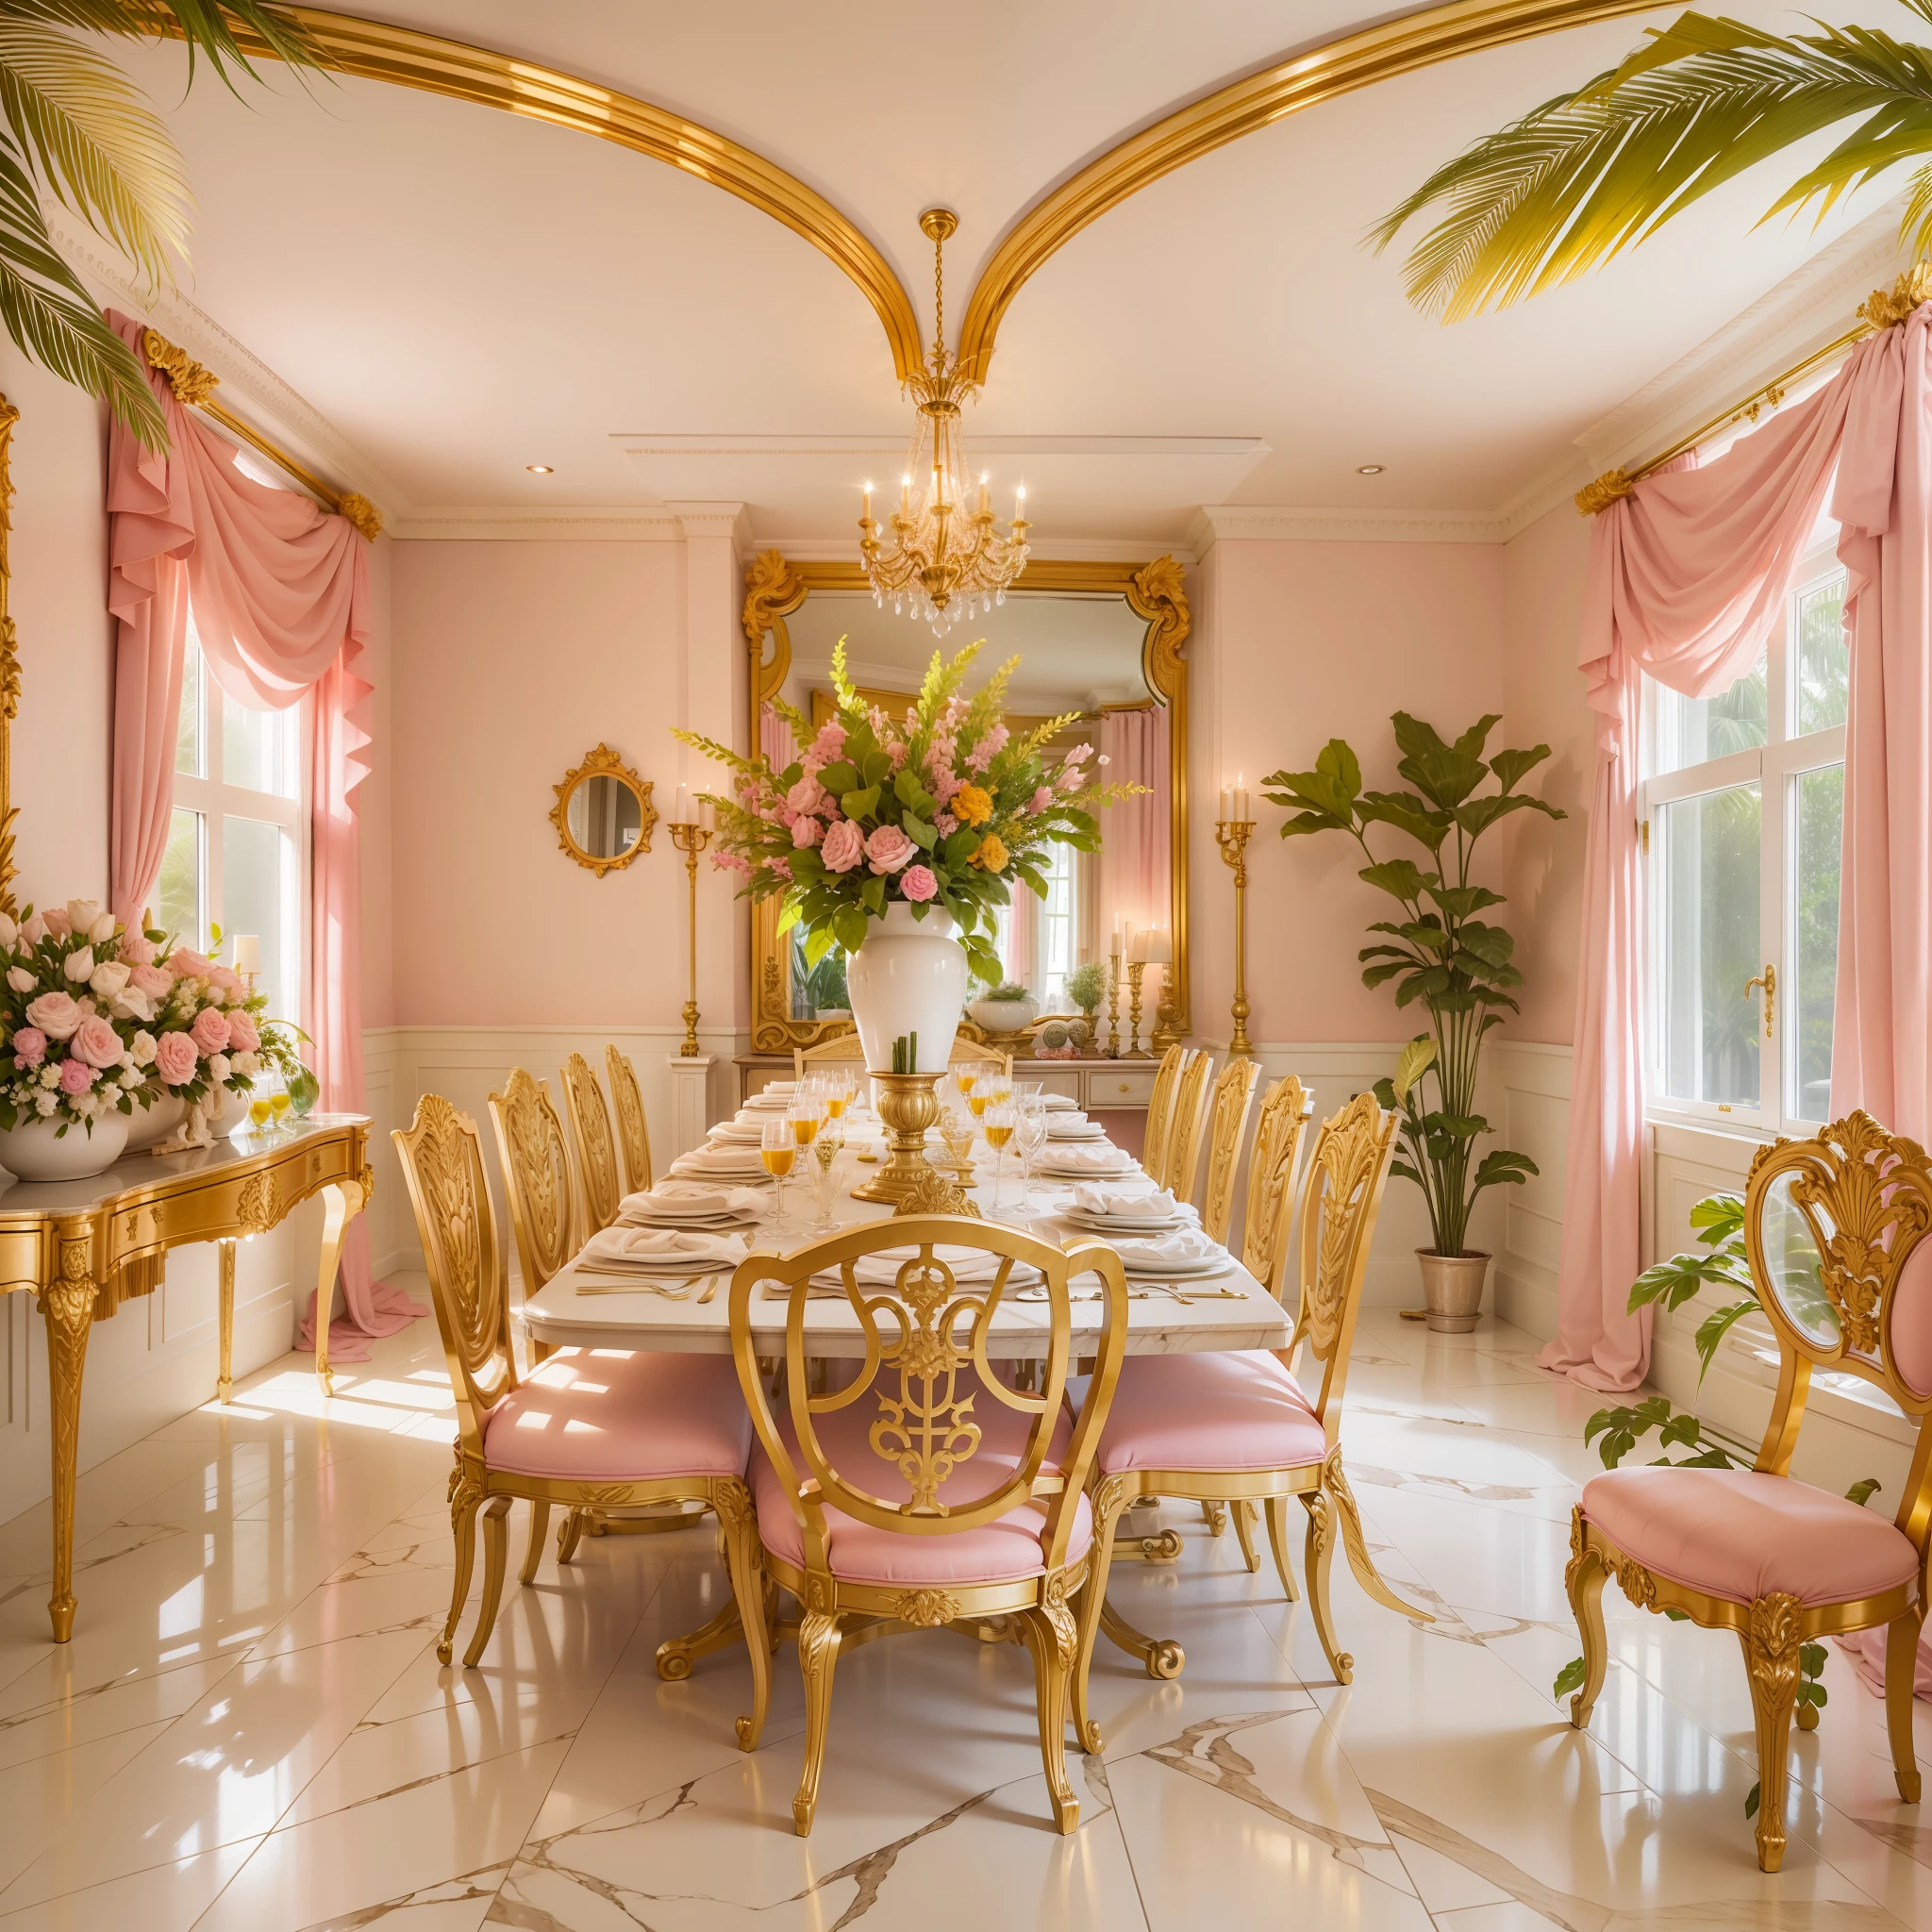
(971, 806)
(992, 854)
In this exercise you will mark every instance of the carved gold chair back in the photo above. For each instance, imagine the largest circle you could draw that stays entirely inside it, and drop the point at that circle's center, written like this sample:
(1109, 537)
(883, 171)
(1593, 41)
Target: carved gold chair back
(1188, 1126)
(1234, 1099)
(842, 1046)
(1341, 1199)
(1154, 1147)
(1285, 1110)
(441, 1155)
(536, 1178)
(589, 1128)
(633, 1134)
(974, 1053)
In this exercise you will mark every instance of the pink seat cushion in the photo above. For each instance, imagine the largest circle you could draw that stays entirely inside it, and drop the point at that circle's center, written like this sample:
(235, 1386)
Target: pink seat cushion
(1000, 1552)
(611, 1415)
(1740, 1534)
(1231, 1410)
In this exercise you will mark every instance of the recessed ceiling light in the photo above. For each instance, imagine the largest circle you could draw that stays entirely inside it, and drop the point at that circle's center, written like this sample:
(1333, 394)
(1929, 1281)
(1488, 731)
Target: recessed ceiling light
(539, 469)
(1369, 469)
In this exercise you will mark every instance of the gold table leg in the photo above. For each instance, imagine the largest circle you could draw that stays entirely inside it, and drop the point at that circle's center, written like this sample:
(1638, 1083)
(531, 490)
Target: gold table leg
(341, 1202)
(225, 1379)
(68, 1306)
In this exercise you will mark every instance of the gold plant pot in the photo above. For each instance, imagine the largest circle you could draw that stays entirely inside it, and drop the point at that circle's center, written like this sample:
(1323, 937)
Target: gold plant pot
(908, 1104)
(1453, 1289)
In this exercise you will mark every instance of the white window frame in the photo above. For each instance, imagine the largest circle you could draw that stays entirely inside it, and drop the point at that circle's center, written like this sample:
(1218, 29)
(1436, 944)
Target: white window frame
(1774, 769)
(210, 796)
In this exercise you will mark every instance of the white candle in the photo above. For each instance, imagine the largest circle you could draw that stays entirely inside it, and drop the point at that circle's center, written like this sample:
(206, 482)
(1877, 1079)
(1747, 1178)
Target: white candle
(1137, 950)
(247, 951)
(680, 812)
(867, 503)
(982, 492)
(905, 496)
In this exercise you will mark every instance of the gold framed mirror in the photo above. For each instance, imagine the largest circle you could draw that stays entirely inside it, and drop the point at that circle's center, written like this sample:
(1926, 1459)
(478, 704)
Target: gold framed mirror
(1105, 640)
(603, 814)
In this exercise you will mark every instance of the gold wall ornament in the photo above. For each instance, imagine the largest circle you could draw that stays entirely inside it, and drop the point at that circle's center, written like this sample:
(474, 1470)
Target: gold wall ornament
(1888, 307)
(361, 512)
(9, 660)
(191, 383)
(1611, 486)
(1232, 836)
(604, 815)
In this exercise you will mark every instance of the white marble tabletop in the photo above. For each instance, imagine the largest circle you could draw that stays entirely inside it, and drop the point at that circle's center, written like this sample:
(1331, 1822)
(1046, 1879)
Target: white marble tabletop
(1157, 1322)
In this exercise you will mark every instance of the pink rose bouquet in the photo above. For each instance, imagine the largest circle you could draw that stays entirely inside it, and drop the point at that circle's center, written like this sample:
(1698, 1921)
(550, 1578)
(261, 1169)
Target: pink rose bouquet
(943, 811)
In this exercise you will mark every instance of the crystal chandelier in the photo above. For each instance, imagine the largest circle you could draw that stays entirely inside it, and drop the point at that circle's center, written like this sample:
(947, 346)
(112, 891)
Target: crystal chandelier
(945, 561)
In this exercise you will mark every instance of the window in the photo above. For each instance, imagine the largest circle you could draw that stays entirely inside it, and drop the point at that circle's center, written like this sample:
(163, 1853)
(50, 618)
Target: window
(1741, 812)
(237, 846)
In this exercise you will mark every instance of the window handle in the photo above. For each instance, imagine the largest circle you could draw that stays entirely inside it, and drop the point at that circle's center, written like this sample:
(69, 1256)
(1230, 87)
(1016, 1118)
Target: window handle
(1767, 980)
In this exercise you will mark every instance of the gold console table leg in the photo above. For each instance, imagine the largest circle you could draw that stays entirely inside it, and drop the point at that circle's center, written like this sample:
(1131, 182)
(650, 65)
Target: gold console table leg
(225, 1379)
(68, 1306)
(341, 1202)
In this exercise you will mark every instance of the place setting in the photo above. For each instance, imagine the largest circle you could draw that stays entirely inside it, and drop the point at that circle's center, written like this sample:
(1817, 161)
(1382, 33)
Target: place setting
(673, 1262)
(1083, 1161)
(970, 1267)
(1069, 1123)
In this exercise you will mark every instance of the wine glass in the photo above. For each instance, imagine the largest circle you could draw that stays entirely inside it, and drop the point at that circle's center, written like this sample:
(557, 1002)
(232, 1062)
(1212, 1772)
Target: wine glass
(778, 1146)
(999, 1123)
(825, 1152)
(965, 1077)
(1030, 1138)
(956, 1130)
(280, 1100)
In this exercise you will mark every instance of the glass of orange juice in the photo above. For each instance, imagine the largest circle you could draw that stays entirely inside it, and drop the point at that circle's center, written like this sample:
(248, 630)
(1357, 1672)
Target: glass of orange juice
(260, 1112)
(779, 1145)
(998, 1124)
(964, 1078)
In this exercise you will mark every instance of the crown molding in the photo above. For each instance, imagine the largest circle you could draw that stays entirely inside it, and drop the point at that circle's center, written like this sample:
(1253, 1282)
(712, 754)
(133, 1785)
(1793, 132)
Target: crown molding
(1242, 521)
(731, 521)
(516, 524)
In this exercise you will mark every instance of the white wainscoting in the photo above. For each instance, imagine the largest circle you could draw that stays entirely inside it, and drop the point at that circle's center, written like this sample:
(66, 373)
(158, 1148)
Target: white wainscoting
(1533, 1118)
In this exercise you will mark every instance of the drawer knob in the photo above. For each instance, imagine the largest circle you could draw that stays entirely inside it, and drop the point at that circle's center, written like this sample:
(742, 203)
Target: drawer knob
(1123, 1086)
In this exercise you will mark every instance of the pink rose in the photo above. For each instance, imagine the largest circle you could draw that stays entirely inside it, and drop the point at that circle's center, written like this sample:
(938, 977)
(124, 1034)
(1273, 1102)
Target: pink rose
(226, 979)
(56, 921)
(888, 848)
(186, 964)
(1041, 799)
(157, 982)
(244, 1035)
(917, 883)
(76, 1077)
(135, 949)
(808, 795)
(844, 846)
(30, 1047)
(829, 744)
(805, 832)
(98, 1044)
(210, 1030)
(175, 1058)
(56, 1015)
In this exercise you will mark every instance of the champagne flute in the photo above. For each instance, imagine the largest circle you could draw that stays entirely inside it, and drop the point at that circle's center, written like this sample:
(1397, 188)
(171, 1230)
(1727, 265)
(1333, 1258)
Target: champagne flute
(1030, 1138)
(778, 1147)
(826, 1150)
(999, 1124)
(965, 1078)
(280, 1100)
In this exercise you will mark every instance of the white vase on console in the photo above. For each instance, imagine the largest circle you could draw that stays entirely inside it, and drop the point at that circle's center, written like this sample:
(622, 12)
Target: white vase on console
(910, 976)
(37, 1151)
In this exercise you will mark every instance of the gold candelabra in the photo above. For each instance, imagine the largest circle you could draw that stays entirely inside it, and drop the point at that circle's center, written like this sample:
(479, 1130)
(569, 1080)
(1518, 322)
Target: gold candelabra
(1231, 835)
(1113, 1001)
(690, 838)
(1135, 1050)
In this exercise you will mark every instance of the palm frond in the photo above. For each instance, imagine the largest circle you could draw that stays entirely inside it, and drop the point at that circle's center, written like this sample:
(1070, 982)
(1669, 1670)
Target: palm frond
(46, 310)
(216, 31)
(1579, 179)
(95, 141)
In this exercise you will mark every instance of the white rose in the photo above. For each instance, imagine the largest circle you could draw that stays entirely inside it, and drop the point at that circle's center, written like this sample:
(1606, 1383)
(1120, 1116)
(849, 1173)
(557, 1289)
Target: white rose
(21, 980)
(217, 1067)
(142, 1049)
(108, 978)
(103, 928)
(132, 1078)
(45, 1104)
(80, 965)
(50, 1074)
(248, 1064)
(83, 912)
(9, 932)
(133, 1005)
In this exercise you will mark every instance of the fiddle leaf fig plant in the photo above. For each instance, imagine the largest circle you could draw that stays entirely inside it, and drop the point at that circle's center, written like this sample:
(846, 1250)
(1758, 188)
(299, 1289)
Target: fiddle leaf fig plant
(1441, 954)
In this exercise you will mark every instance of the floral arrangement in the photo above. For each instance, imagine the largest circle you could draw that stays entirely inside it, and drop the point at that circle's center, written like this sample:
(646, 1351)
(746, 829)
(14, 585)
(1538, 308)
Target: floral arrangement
(940, 807)
(95, 1019)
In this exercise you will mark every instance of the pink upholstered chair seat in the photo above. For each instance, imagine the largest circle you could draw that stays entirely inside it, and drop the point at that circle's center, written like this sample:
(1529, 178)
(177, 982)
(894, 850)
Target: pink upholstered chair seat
(611, 1415)
(1231, 1410)
(1737, 1534)
(1002, 1552)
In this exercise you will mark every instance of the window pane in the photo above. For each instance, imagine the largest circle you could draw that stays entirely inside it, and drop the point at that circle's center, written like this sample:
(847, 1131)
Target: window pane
(254, 749)
(1706, 860)
(819, 989)
(1814, 940)
(256, 856)
(1690, 730)
(188, 732)
(179, 911)
(1056, 914)
(1824, 666)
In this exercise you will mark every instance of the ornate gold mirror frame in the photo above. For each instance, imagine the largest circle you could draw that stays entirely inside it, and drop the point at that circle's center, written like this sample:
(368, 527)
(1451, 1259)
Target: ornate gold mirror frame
(775, 588)
(9, 663)
(602, 762)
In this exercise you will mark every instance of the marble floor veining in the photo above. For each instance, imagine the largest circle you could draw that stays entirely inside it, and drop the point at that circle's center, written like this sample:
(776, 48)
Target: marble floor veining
(250, 1731)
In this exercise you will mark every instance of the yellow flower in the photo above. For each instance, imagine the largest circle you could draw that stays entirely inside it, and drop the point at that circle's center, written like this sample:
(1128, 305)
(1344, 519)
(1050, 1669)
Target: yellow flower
(992, 854)
(971, 806)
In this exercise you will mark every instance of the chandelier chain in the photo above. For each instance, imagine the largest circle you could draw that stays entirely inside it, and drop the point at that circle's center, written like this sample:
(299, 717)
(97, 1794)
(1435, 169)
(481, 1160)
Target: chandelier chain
(939, 303)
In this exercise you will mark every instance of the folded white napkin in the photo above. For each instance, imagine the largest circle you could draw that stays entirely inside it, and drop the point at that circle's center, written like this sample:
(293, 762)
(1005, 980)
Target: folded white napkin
(663, 1250)
(741, 1132)
(881, 1269)
(1186, 1248)
(719, 1160)
(1074, 1158)
(1125, 1204)
(1074, 1126)
(664, 1204)
(1061, 1103)
(768, 1100)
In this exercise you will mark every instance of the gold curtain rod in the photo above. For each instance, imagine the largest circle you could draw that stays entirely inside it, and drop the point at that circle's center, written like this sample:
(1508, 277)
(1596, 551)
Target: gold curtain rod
(1883, 309)
(193, 388)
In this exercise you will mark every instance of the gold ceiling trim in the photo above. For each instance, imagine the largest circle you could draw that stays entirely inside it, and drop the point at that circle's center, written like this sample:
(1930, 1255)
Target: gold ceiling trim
(374, 50)
(1351, 61)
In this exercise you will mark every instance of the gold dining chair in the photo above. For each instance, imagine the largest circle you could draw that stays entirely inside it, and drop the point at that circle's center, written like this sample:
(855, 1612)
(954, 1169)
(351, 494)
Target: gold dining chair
(1236, 1427)
(633, 1133)
(927, 1491)
(1153, 1144)
(616, 1430)
(1192, 1098)
(589, 1128)
(1835, 1227)
(842, 1046)
(972, 1052)
(1234, 1100)
(1286, 1110)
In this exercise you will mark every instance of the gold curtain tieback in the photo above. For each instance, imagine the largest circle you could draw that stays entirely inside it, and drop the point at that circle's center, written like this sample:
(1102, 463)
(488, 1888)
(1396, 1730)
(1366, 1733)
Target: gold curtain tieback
(1608, 487)
(1886, 311)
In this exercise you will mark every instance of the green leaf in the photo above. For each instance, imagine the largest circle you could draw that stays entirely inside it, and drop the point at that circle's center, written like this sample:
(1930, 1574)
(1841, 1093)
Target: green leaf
(1500, 1168)
(1863, 1490)
(1411, 1063)
(872, 895)
(874, 768)
(1569, 1679)
(1459, 902)
(1751, 1801)
(1812, 1659)
(1510, 767)
(1445, 774)
(911, 794)
(1407, 813)
(1476, 815)
(919, 832)
(838, 778)
(1677, 1616)
(1715, 1326)
(1681, 1428)
(819, 944)
(790, 917)
(848, 927)
(1402, 879)
(859, 805)
(1720, 1217)
(1328, 792)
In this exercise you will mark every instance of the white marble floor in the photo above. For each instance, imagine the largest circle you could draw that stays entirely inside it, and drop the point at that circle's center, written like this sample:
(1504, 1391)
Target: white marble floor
(250, 1733)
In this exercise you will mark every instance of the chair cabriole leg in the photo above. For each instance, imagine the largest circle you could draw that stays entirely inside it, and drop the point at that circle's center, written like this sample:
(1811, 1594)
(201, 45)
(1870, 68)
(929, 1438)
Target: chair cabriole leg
(817, 1655)
(1108, 1501)
(1584, 1581)
(1244, 1514)
(1053, 1642)
(465, 1498)
(496, 1556)
(533, 1554)
(1901, 1667)
(1317, 1548)
(1276, 1507)
(1770, 1638)
(568, 1533)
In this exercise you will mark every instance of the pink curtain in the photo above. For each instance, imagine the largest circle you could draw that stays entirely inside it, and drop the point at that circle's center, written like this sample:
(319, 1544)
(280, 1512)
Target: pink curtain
(280, 592)
(1136, 843)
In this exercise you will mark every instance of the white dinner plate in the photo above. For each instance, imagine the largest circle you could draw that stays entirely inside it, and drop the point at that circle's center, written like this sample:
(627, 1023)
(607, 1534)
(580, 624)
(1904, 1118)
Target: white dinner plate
(1099, 1224)
(1171, 1270)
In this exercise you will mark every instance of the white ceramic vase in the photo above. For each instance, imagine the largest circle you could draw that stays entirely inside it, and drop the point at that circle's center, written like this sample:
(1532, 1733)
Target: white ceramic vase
(910, 976)
(149, 1124)
(1003, 1018)
(36, 1151)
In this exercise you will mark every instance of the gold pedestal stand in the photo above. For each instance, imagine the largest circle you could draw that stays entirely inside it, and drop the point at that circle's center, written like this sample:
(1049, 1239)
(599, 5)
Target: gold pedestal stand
(690, 840)
(1231, 835)
(1135, 1050)
(908, 1105)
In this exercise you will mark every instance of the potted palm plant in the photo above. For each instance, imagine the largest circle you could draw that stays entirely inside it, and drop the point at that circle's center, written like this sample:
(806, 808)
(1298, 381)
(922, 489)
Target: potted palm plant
(1443, 957)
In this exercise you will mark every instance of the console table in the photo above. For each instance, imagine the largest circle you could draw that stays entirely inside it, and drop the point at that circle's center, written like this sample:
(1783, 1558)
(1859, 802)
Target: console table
(82, 1248)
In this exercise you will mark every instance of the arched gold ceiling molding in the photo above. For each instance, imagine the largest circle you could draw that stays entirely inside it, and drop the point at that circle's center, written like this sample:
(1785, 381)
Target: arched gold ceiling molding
(1343, 65)
(374, 50)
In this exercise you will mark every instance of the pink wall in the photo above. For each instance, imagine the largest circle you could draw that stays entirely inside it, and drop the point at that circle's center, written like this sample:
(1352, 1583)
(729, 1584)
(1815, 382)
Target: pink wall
(374, 802)
(1301, 643)
(512, 660)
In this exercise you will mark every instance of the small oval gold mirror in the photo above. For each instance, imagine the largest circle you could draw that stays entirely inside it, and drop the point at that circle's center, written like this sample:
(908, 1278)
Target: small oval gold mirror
(603, 812)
